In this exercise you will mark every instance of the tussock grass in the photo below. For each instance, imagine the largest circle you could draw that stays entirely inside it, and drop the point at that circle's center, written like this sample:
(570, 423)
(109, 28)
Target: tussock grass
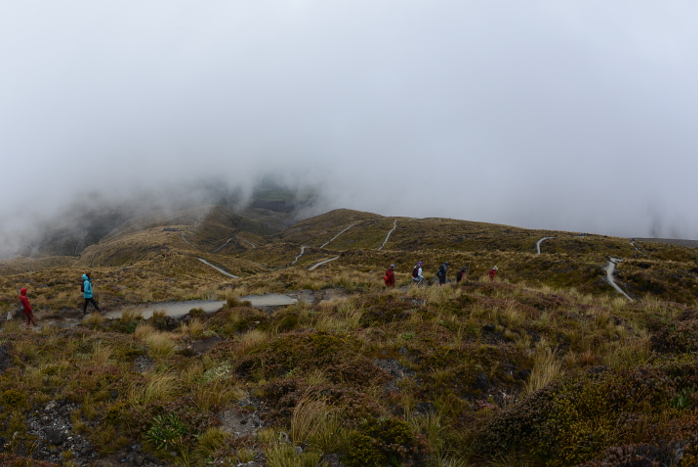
(191, 374)
(196, 328)
(627, 353)
(33, 376)
(307, 416)
(143, 330)
(284, 455)
(93, 320)
(250, 340)
(129, 315)
(342, 316)
(546, 368)
(14, 325)
(209, 441)
(216, 395)
(159, 387)
(101, 354)
(160, 345)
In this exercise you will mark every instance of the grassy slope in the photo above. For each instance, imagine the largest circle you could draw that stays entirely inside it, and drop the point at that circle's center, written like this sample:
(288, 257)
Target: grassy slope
(545, 366)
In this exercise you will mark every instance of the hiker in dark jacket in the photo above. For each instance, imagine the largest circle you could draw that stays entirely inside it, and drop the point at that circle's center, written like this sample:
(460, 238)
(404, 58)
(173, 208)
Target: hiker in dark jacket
(26, 307)
(87, 293)
(389, 277)
(461, 274)
(441, 273)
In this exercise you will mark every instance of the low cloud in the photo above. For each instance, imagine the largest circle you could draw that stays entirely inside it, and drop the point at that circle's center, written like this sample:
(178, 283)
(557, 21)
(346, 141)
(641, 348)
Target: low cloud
(575, 116)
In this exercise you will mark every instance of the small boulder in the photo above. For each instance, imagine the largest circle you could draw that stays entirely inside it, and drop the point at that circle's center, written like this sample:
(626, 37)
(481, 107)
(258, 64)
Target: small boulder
(482, 382)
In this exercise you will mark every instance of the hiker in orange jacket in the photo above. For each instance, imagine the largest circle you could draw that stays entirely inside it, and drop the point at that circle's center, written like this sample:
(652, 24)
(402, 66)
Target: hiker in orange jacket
(26, 307)
(389, 277)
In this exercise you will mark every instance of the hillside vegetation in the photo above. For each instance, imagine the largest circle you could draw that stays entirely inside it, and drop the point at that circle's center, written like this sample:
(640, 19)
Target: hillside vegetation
(547, 365)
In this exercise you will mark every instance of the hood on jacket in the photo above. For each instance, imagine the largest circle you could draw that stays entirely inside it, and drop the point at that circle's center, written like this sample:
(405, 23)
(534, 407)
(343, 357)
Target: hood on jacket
(23, 291)
(84, 277)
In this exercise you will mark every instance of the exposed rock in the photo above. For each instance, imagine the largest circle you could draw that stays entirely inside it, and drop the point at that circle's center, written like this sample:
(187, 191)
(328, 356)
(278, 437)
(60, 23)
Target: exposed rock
(331, 460)
(523, 374)
(5, 358)
(54, 436)
(482, 382)
(425, 408)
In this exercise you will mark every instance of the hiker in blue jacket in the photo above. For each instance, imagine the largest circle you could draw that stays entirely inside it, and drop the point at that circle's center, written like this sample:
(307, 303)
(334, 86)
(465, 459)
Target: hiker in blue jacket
(87, 293)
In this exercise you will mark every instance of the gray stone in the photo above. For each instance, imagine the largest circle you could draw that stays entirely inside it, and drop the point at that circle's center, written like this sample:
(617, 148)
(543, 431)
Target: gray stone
(55, 437)
(332, 460)
(482, 382)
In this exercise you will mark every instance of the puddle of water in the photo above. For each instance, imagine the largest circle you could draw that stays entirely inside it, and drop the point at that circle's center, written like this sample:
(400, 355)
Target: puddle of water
(177, 309)
(174, 309)
(271, 299)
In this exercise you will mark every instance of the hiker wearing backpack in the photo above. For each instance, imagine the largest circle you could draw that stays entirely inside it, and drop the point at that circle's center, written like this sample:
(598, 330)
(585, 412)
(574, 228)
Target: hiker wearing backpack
(441, 273)
(461, 274)
(389, 277)
(492, 272)
(26, 307)
(417, 273)
(87, 293)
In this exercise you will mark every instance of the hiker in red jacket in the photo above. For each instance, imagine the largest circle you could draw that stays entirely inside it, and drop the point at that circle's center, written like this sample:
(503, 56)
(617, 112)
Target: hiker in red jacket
(492, 272)
(26, 307)
(389, 277)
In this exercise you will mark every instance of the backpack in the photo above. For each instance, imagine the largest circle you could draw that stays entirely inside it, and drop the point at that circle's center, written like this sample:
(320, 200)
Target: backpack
(415, 271)
(82, 286)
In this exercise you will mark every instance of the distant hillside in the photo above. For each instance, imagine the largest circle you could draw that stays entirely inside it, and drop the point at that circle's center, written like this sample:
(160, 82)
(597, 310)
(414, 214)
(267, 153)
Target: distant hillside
(271, 206)
(673, 241)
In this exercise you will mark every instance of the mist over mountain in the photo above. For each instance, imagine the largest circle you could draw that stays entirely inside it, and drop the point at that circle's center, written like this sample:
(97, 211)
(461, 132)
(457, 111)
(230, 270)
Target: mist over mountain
(575, 116)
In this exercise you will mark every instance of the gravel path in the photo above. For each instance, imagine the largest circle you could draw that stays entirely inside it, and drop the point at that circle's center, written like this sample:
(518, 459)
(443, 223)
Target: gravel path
(541, 241)
(637, 249)
(227, 241)
(300, 254)
(222, 271)
(185, 240)
(322, 262)
(610, 268)
(388, 236)
(250, 243)
(340, 233)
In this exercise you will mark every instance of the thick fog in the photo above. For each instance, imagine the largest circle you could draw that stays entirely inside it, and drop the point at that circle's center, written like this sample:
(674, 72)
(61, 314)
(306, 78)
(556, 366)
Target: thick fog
(574, 115)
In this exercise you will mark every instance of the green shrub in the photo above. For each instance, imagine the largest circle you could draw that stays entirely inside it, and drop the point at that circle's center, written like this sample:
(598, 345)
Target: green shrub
(384, 441)
(166, 432)
(676, 337)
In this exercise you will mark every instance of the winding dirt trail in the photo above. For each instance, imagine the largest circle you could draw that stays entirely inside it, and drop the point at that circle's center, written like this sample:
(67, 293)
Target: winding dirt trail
(185, 240)
(340, 233)
(610, 268)
(541, 241)
(300, 254)
(221, 270)
(321, 263)
(637, 249)
(227, 241)
(250, 243)
(388, 236)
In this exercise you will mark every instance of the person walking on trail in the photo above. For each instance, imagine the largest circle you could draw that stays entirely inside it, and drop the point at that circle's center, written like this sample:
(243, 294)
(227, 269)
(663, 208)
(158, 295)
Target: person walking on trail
(492, 272)
(389, 277)
(87, 293)
(461, 274)
(26, 307)
(441, 273)
(417, 273)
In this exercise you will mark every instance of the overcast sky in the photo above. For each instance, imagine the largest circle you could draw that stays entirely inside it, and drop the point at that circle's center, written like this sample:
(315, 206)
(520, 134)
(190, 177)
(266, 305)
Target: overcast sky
(571, 115)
